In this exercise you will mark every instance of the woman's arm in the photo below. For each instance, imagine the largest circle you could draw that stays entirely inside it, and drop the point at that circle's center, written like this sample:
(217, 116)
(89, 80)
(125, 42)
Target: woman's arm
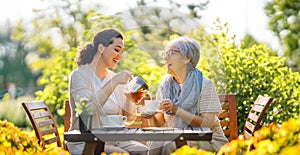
(81, 87)
(203, 119)
(156, 120)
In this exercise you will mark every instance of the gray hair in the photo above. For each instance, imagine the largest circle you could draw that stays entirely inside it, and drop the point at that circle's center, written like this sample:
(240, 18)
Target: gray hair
(188, 47)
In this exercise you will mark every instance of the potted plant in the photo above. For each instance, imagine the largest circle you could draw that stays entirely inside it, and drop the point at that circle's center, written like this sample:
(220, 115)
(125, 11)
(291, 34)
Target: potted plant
(84, 114)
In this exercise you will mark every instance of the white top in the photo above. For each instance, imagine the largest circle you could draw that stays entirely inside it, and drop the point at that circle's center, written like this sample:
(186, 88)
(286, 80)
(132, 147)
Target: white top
(111, 105)
(84, 84)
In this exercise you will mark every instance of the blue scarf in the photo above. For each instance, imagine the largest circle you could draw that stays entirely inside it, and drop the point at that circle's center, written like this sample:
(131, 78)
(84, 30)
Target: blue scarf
(185, 98)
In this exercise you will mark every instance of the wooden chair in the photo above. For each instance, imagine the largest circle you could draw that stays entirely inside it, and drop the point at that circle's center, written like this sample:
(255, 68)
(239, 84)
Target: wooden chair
(228, 118)
(255, 115)
(43, 123)
(67, 117)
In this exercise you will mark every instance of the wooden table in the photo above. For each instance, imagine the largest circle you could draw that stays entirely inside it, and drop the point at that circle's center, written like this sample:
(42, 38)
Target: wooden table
(95, 141)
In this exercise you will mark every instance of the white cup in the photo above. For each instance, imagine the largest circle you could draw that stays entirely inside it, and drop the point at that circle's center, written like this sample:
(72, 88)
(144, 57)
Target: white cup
(151, 105)
(113, 120)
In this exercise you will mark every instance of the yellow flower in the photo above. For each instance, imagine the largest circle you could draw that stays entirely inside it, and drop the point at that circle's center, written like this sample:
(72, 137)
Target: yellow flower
(293, 150)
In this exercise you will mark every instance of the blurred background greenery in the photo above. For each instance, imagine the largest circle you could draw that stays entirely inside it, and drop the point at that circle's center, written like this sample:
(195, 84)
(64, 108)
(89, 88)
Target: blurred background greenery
(37, 56)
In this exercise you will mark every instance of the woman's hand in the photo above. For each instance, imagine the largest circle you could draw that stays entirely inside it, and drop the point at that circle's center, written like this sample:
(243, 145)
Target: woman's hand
(122, 77)
(168, 105)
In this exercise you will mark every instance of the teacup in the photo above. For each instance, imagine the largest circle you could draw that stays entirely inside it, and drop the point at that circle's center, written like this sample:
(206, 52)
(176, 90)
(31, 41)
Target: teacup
(113, 120)
(151, 105)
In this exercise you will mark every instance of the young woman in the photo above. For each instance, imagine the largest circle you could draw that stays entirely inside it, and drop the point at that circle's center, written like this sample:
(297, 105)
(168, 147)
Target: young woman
(94, 80)
(187, 97)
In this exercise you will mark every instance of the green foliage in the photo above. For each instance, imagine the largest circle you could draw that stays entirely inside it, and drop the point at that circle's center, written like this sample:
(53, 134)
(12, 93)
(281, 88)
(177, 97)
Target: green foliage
(13, 61)
(253, 71)
(55, 81)
(284, 21)
(248, 72)
(12, 111)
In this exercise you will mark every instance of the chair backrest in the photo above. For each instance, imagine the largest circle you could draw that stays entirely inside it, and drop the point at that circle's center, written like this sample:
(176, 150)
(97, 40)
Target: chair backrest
(255, 115)
(228, 118)
(67, 116)
(43, 123)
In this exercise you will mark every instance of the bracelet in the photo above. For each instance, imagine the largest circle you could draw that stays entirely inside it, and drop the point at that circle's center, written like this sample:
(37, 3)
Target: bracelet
(168, 112)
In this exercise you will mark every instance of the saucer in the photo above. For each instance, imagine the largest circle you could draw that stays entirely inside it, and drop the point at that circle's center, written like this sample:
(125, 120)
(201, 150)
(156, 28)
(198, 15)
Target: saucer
(147, 113)
(157, 129)
(153, 111)
(113, 127)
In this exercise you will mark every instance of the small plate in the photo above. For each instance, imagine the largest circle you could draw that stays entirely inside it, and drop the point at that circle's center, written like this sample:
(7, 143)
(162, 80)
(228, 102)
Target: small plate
(157, 129)
(113, 127)
(147, 113)
(153, 111)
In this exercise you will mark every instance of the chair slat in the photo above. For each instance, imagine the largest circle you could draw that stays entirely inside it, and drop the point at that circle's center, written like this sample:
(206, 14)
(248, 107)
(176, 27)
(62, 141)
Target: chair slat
(45, 123)
(224, 124)
(257, 108)
(249, 126)
(253, 117)
(225, 107)
(51, 140)
(41, 114)
(247, 135)
(36, 105)
(49, 131)
(226, 132)
(223, 97)
(261, 100)
(224, 115)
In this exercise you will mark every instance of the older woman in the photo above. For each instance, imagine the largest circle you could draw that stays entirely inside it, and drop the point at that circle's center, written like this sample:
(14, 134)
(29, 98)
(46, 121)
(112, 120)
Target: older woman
(187, 97)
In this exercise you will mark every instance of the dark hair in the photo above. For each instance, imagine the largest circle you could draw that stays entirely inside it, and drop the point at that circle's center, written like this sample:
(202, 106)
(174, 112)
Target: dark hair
(104, 37)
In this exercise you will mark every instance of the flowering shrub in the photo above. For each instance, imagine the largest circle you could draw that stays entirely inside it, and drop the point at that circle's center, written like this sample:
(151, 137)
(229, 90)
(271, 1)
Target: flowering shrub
(15, 141)
(114, 153)
(272, 139)
(186, 150)
(12, 138)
